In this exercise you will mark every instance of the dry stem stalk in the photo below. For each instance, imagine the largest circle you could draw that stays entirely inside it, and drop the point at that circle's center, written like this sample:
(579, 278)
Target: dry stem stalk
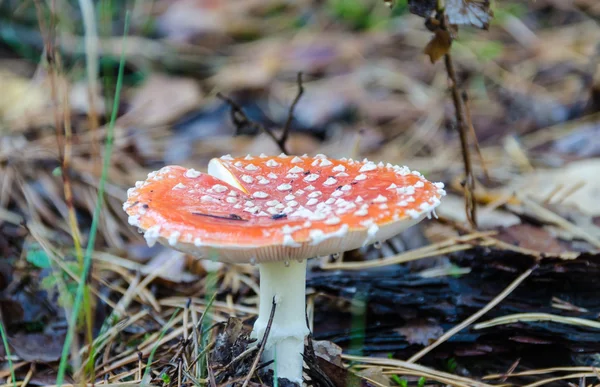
(461, 123)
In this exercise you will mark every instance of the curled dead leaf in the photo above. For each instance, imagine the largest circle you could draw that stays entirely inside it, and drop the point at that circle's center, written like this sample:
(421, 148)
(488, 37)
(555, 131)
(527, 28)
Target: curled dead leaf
(438, 46)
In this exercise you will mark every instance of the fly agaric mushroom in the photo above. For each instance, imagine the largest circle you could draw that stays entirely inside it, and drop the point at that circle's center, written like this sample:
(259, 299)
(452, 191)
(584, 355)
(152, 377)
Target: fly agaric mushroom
(277, 212)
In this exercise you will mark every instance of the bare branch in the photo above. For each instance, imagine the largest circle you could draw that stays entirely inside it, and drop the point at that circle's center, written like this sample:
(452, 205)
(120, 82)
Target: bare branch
(288, 123)
(262, 344)
(240, 119)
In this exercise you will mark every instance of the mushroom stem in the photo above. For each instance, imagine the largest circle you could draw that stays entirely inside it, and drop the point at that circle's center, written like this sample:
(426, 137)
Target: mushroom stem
(286, 283)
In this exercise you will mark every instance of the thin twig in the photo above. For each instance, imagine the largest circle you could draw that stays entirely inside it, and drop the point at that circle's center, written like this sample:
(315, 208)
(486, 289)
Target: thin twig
(212, 382)
(461, 123)
(474, 317)
(241, 120)
(262, 344)
(470, 202)
(288, 123)
(465, 98)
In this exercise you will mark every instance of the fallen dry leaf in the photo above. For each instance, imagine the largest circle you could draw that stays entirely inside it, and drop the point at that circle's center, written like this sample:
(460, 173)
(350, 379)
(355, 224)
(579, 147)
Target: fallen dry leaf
(453, 207)
(576, 184)
(171, 266)
(531, 237)
(328, 351)
(161, 100)
(20, 98)
(420, 332)
(37, 347)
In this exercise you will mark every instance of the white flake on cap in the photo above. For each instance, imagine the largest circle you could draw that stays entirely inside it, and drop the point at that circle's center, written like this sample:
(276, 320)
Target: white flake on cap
(371, 232)
(247, 179)
(230, 199)
(325, 163)
(260, 195)
(380, 199)
(248, 157)
(219, 188)
(192, 173)
(262, 156)
(134, 220)
(289, 241)
(271, 175)
(332, 221)
(263, 181)
(312, 202)
(315, 194)
(151, 235)
(310, 178)
(338, 168)
(179, 186)
(318, 236)
(330, 181)
(362, 211)
(369, 166)
(360, 177)
(290, 197)
(208, 199)
(272, 163)
(251, 167)
(296, 169)
(273, 211)
(413, 213)
(284, 187)
(174, 238)
(226, 157)
(296, 159)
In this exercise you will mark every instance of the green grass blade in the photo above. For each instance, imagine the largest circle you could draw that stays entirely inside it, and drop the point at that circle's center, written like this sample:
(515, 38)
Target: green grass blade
(162, 333)
(7, 351)
(94, 228)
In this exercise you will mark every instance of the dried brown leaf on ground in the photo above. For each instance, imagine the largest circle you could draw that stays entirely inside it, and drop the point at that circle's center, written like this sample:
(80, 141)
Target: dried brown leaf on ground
(420, 332)
(162, 99)
(531, 237)
(37, 347)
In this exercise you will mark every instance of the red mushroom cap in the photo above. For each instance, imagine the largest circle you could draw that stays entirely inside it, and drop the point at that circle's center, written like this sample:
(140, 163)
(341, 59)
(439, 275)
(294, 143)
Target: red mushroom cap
(262, 209)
